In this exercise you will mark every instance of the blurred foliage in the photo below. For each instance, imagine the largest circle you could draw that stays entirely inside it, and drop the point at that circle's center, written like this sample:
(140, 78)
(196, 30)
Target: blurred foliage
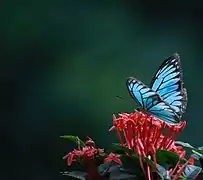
(64, 62)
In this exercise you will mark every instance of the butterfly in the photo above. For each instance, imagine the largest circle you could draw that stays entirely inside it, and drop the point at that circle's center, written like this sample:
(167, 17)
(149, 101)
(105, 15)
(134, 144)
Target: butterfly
(165, 98)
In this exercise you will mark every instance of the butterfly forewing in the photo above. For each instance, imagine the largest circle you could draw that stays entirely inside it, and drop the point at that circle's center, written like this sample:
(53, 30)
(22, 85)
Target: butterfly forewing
(140, 92)
(167, 82)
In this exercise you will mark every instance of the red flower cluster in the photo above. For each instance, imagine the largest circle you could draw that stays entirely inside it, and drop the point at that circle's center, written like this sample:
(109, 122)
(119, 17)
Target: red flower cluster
(89, 152)
(87, 156)
(144, 134)
(113, 157)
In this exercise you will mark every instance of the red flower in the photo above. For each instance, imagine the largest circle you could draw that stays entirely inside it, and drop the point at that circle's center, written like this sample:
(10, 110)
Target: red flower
(144, 134)
(87, 156)
(88, 152)
(113, 157)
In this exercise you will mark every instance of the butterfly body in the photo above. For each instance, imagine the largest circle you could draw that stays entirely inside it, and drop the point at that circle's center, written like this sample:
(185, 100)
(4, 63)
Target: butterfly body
(165, 98)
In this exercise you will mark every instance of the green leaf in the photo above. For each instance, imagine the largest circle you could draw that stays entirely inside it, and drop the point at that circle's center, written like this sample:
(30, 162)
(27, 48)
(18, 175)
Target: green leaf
(108, 167)
(200, 148)
(191, 171)
(166, 157)
(150, 162)
(75, 139)
(75, 174)
(114, 171)
(197, 151)
(163, 173)
(117, 148)
(123, 176)
(131, 165)
(131, 160)
(187, 145)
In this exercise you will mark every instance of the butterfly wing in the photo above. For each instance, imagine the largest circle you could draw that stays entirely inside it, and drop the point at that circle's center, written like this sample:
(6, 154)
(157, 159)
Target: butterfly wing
(150, 101)
(139, 92)
(167, 82)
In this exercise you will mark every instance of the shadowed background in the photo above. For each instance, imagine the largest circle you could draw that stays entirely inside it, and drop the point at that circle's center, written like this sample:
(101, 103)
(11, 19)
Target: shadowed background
(64, 62)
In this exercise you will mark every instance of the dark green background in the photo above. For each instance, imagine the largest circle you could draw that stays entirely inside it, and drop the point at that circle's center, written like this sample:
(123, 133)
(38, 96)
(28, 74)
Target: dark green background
(64, 62)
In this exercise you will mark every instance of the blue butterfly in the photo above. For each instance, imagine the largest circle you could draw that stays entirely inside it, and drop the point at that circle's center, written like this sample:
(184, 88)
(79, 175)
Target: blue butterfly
(165, 98)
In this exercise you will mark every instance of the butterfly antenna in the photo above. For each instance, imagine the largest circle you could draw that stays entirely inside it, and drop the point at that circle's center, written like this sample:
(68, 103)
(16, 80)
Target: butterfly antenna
(121, 97)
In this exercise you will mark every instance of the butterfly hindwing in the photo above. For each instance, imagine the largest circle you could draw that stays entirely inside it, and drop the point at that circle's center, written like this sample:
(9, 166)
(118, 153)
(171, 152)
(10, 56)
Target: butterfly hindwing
(150, 101)
(168, 84)
(163, 111)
